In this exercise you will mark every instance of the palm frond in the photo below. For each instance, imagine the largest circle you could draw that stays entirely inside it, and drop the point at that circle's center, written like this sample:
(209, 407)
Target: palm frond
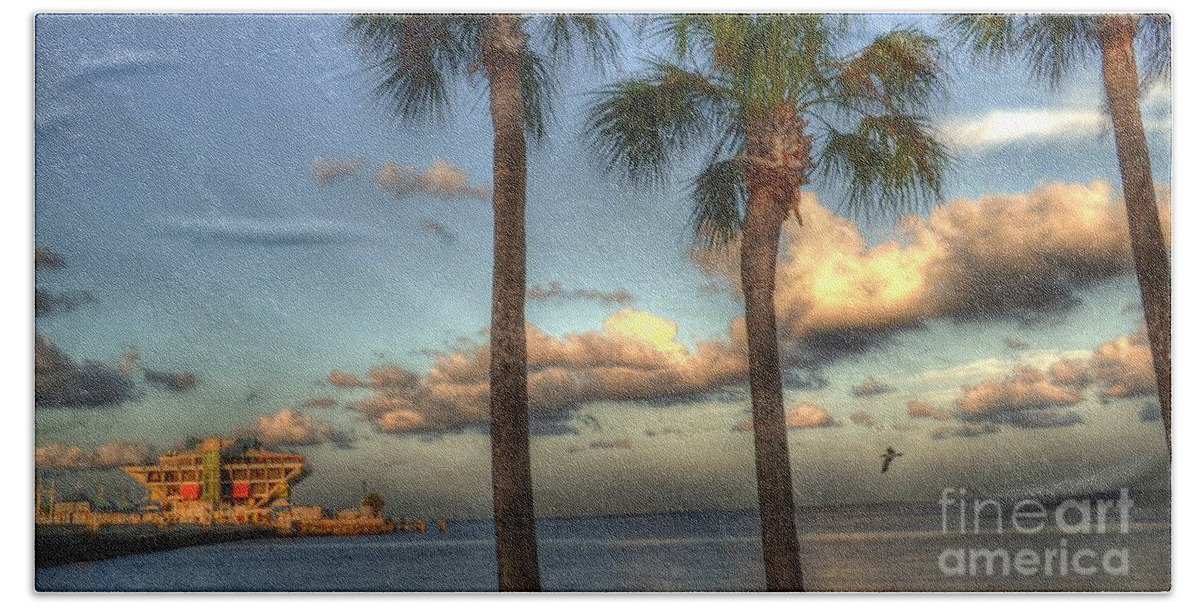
(419, 58)
(985, 35)
(900, 70)
(638, 126)
(1154, 37)
(566, 35)
(718, 201)
(890, 164)
(538, 91)
(1055, 44)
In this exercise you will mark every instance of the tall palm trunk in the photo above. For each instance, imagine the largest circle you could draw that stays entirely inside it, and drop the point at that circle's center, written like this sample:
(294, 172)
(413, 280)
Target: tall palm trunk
(512, 481)
(774, 147)
(1151, 260)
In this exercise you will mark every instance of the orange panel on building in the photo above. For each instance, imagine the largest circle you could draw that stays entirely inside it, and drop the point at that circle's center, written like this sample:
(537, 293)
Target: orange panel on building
(189, 491)
(241, 489)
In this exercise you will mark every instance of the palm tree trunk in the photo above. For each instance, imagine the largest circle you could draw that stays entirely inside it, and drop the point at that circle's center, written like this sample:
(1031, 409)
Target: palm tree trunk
(512, 481)
(1151, 260)
(776, 508)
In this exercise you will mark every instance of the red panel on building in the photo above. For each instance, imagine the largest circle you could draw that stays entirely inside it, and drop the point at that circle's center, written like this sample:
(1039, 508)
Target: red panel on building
(189, 491)
(241, 489)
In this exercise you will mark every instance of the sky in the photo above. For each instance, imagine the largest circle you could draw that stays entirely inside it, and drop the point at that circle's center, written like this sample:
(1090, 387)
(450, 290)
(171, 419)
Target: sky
(237, 237)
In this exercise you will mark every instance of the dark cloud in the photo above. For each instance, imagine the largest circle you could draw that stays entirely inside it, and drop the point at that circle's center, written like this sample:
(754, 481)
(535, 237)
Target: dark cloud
(280, 232)
(871, 387)
(864, 419)
(620, 443)
(45, 258)
(554, 292)
(967, 430)
(1151, 412)
(51, 303)
(172, 381)
(804, 379)
(60, 382)
(1015, 343)
(320, 402)
(439, 230)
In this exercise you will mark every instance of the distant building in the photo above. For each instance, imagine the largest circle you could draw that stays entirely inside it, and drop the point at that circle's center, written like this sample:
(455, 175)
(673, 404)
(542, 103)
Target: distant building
(220, 480)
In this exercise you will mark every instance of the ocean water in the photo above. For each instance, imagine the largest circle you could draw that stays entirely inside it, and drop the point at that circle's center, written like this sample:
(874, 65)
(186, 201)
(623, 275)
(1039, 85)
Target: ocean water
(899, 547)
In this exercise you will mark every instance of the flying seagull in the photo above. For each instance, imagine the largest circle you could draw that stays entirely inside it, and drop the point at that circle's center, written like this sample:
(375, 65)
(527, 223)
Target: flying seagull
(888, 456)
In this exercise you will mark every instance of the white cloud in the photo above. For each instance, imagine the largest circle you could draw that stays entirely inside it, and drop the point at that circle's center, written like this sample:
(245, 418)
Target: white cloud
(1005, 127)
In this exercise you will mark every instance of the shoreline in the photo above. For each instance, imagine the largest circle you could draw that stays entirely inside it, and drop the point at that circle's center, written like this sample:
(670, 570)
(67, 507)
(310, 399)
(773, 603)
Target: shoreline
(59, 544)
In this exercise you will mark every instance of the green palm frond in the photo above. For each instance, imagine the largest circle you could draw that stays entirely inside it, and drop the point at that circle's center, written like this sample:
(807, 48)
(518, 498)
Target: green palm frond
(1052, 44)
(719, 200)
(890, 164)
(991, 36)
(899, 71)
(419, 58)
(638, 126)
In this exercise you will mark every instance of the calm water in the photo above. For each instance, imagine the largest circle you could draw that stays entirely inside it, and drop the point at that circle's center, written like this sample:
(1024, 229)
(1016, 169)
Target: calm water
(881, 547)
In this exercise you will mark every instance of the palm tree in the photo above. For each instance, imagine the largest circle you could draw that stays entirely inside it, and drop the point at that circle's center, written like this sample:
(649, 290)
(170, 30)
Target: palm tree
(419, 59)
(776, 105)
(374, 502)
(1054, 44)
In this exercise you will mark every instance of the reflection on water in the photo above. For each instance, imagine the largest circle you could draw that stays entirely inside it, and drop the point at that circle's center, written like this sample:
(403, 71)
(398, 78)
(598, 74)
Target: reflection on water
(862, 548)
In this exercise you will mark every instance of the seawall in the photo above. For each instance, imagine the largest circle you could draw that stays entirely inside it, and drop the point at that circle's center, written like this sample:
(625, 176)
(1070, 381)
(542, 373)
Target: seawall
(63, 544)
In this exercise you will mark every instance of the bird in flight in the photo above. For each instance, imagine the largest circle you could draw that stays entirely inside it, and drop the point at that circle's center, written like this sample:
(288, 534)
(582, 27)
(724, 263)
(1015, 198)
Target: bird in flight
(888, 456)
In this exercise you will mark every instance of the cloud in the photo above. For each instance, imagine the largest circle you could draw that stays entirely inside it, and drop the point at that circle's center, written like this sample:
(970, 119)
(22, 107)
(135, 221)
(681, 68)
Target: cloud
(51, 303)
(1124, 367)
(1015, 343)
(287, 427)
(45, 258)
(320, 402)
(441, 179)
(1001, 128)
(920, 409)
(968, 430)
(438, 229)
(871, 387)
(1025, 389)
(1022, 256)
(328, 170)
(622, 443)
(1070, 373)
(172, 381)
(554, 292)
(803, 416)
(343, 379)
(1028, 397)
(1151, 412)
(276, 232)
(104, 456)
(864, 419)
(60, 382)
(636, 355)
